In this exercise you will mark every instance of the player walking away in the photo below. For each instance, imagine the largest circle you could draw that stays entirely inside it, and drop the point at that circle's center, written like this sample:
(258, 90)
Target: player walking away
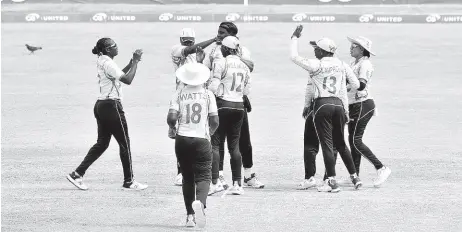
(230, 82)
(195, 109)
(109, 113)
(184, 53)
(329, 76)
(245, 146)
(362, 107)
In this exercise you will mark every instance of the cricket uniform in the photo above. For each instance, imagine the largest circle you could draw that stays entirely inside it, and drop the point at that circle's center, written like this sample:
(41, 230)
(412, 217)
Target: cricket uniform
(329, 76)
(245, 145)
(362, 108)
(179, 59)
(110, 118)
(192, 144)
(230, 81)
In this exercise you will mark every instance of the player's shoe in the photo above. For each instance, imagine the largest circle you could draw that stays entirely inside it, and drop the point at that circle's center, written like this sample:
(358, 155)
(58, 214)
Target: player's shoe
(190, 221)
(253, 182)
(223, 182)
(215, 188)
(307, 183)
(76, 180)
(178, 180)
(134, 185)
(235, 189)
(357, 182)
(199, 215)
(330, 185)
(382, 176)
(344, 180)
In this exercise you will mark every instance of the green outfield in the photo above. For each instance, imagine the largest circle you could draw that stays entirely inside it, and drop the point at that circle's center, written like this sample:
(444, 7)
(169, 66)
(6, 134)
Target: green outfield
(48, 126)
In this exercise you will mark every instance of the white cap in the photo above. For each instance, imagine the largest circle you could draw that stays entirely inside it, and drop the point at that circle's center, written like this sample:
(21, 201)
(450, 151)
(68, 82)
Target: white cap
(363, 42)
(193, 73)
(230, 42)
(188, 32)
(325, 44)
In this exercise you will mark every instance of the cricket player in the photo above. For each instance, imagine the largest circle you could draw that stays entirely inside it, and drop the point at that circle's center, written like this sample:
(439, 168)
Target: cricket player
(362, 107)
(109, 113)
(194, 108)
(230, 82)
(330, 113)
(245, 146)
(184, 53)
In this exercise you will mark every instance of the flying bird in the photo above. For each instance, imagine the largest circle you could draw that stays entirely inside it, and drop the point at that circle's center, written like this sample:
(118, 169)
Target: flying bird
(32, 49)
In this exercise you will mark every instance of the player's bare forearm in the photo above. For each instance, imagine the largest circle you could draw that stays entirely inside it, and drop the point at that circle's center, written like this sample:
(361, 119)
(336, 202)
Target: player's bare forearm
(192, 49)
(128, 66)
(127, 78)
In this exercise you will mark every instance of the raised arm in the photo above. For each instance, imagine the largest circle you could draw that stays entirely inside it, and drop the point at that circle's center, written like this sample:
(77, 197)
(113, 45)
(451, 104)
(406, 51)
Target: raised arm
(192, 49)
(127, 78)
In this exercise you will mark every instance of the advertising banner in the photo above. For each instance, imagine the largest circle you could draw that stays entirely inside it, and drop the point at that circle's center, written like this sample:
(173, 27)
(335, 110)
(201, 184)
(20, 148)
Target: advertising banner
(115, 17)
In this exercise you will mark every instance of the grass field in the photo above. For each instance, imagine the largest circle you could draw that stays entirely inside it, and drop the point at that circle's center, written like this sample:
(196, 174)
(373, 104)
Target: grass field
(48, 126)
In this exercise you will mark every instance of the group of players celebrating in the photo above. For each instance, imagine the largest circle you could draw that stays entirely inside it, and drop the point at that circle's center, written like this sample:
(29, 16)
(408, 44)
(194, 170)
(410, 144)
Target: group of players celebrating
(211, 103)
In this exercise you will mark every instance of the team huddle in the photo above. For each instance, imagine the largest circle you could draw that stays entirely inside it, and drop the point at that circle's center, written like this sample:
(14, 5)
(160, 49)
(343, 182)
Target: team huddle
(210, 106)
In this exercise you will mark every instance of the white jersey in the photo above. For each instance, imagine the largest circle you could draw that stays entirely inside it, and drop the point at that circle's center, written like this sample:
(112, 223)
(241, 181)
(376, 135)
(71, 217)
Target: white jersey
(329, 75)
(195, 104)
(179, 59)
(230, 79)
(109, 75)
(215, 54)
(363, 70)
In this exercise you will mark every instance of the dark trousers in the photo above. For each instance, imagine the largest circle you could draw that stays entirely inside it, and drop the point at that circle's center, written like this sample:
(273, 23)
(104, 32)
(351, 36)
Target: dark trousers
(245, 145)
(195, 158)
(361, 113)
(329, 122)
(229, 129)
(110, 118)
(310, 147)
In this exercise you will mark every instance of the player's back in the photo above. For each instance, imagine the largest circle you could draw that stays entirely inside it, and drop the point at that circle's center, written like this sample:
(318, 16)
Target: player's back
(329, 80)
(194, 103)
(234, 80)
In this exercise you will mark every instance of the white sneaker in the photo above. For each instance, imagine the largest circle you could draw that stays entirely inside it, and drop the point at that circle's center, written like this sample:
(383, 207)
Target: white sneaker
(76, 180)
(199, 215)
(236, 190)
(382, 176)
(221, 178)
(178, 180)
(215, 188)
(253, 182)
(330, 185)
(307, 183)
(134, 185)
(190, 221)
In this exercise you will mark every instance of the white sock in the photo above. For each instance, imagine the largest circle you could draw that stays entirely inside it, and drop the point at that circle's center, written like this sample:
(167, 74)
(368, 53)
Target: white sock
(247, 172)
(220, 173)
(354, 175)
